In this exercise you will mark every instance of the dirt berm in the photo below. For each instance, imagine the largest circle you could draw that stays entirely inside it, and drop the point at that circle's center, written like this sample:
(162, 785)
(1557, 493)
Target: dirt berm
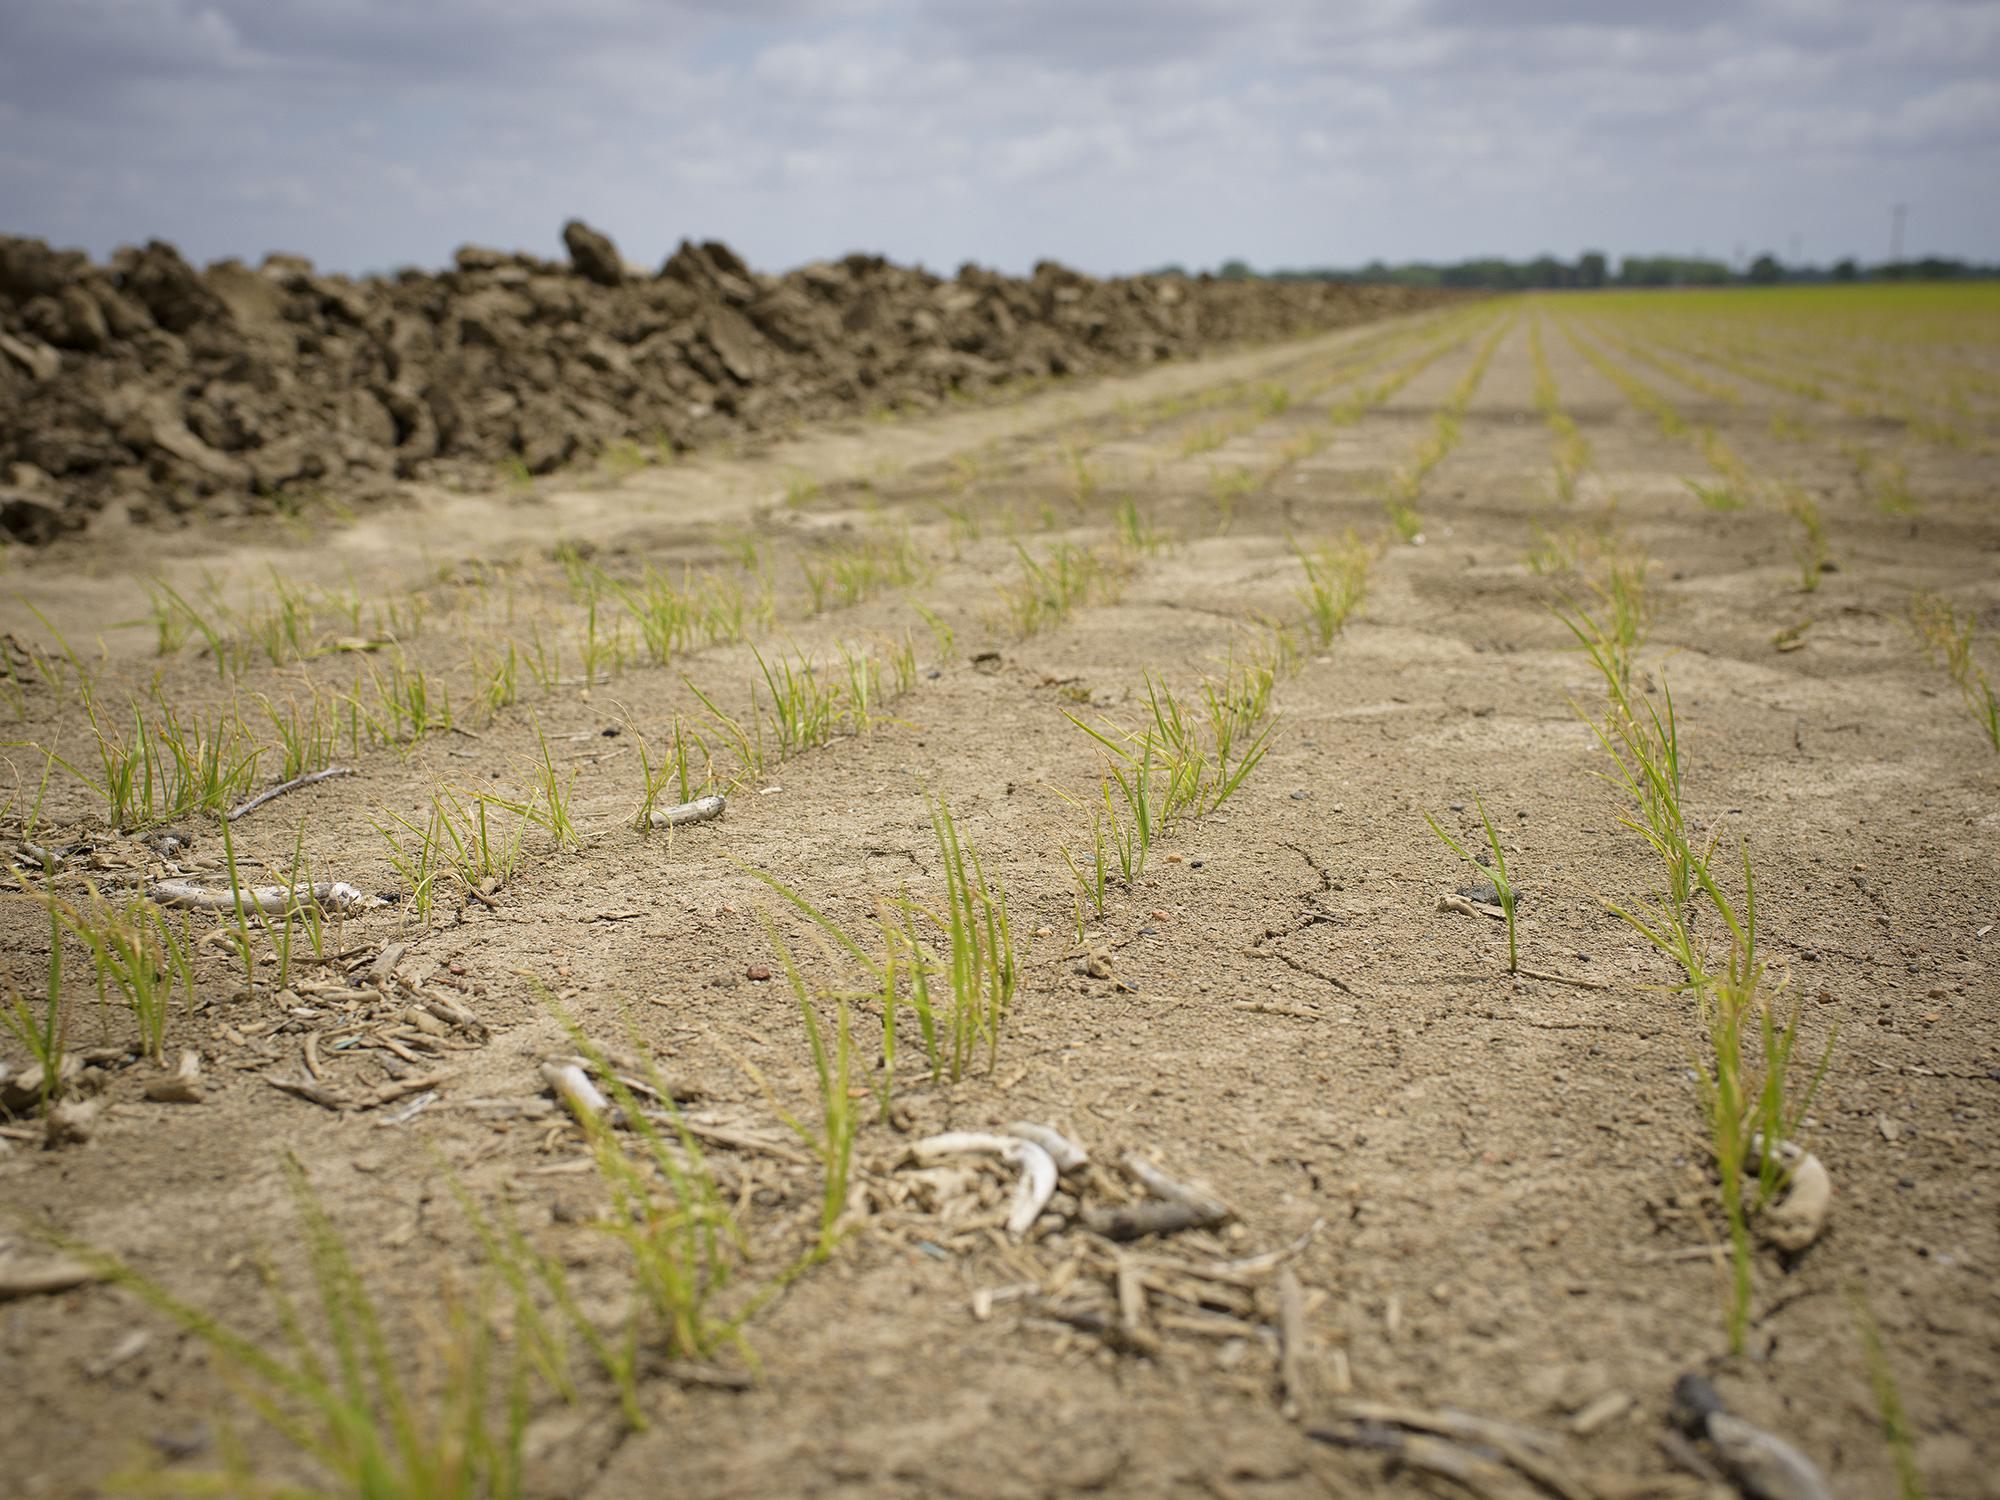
(149, 386)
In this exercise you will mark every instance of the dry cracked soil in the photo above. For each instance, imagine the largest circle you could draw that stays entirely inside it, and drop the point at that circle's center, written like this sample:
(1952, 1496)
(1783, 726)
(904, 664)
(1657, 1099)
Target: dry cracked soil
(1495, 1194)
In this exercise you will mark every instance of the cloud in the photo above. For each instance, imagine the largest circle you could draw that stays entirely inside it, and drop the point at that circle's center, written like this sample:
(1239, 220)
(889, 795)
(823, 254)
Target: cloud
(1111, 133)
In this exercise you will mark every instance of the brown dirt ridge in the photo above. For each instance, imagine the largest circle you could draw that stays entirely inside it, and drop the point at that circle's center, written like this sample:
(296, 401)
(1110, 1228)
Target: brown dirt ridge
(161, 389)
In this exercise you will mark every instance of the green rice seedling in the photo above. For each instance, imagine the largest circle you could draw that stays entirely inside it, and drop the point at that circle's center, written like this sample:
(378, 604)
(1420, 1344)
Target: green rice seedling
(1887, 487)
(1496, 872)
(1746, 1081)
(412, 704)
(1897, 1431)
(901, 657)
(623, 459)
(43, 1032)
(1274, 398)
(1297, 450)
(307, 738)
(82, 677)
(555, 792)
(1135, 533)
(1790, 426)
(207, 766)
(515, 474)
(333, 1393)
(1403, 517)
(482, 853)
(1133, 760)
(807, 710)
(747, 743)
(1091, 885)
(1811, 550)
(1336, 583)
(1613, 635)
(417, 856)
(675, 771)
(543, 660)
(1947, 640)
(845, 576)
(497, 681)
(1717, 497)
(1083, 480)
(669, 617)
(1561, 551)
(1049, 589)
(238, 935)
(668, 1212)
(831, 1137)
(1203, 439)
(280, 927)
(136, 951)
(1226, 487)
(962, 526)
(980, 966)
(168, 767)
(801, 489)
(281, 625)
(595, 650)
(906, 980)
(171, 626)
(864, 682)
(1641, 395)
(573, 557)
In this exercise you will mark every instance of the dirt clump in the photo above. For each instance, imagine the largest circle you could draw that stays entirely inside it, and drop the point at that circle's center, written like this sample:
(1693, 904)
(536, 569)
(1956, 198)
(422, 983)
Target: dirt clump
(147, 384)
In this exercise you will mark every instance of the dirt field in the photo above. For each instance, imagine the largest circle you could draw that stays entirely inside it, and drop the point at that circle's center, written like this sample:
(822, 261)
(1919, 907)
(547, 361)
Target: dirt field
(1469, 1191)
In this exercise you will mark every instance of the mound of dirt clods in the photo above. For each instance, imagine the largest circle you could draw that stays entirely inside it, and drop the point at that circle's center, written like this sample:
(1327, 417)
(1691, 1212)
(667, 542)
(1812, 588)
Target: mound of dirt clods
(149, 385)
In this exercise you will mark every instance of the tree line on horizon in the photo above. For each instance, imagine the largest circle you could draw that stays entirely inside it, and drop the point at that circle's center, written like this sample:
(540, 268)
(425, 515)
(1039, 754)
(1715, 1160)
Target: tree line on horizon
(1594, 269)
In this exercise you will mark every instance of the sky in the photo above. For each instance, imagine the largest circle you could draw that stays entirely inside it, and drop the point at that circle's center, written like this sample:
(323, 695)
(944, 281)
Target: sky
(1111, 136)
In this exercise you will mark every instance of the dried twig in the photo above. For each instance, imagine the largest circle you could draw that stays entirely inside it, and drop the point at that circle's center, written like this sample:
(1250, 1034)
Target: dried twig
(273, 793)
(1763, 1466)
(1291, 1343)
(273, 900)
(698, 811)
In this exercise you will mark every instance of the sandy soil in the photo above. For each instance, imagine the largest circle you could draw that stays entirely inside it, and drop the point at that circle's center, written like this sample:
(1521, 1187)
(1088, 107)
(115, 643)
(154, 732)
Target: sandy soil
(1509, 1177)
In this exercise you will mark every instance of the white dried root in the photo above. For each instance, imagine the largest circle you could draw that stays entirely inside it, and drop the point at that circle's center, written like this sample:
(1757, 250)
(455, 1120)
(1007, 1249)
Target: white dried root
(272, 900)
(1762, 1464)
(182, 1086)
(1037, 1184)
(698, 811)
(1799, 1217)
(1068, 1155)
(569, 1080)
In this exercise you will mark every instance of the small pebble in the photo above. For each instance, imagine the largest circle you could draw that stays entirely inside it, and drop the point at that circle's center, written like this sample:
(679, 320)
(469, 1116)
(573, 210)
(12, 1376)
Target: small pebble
(757, 972)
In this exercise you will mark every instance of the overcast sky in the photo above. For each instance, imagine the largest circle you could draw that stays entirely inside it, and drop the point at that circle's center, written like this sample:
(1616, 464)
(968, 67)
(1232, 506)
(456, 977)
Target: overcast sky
(1112, 136)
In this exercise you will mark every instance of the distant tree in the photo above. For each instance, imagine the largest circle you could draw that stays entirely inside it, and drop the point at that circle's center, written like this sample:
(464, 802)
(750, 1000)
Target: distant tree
(1845, 270)
(1765, 269)
(1236, 270)
(1592, 269)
